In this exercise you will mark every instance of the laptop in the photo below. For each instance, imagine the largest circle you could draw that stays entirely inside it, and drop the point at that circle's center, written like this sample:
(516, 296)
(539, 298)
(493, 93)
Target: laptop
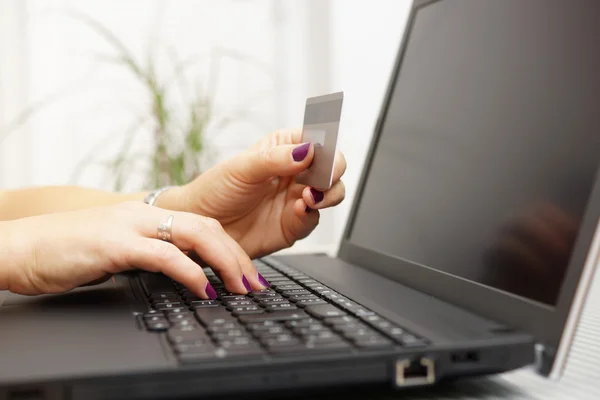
(469, 248)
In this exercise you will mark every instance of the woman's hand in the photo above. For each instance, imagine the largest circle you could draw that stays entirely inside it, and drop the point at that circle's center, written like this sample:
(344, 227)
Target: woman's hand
(57, 252)
(255, 196)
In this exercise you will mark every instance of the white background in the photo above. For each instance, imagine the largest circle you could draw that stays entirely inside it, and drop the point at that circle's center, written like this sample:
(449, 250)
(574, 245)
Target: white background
(304, 48)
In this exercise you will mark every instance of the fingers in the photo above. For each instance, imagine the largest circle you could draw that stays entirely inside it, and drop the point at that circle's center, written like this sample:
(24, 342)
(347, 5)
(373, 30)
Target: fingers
(339, 166)
(304, 220)
(316, 199)
(209, 241)
(256, 166)
(250, 277)
(207, 238)
(157, 256)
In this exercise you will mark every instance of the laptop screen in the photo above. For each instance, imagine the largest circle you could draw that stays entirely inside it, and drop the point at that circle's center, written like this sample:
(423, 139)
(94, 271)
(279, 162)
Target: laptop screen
(490, 143)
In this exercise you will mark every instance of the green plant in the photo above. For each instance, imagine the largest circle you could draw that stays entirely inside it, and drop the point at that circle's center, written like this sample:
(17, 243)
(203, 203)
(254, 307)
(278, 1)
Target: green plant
(178, 132)
(178, 143)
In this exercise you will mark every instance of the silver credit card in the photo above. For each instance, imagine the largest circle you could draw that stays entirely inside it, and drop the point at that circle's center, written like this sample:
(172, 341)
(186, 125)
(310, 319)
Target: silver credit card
(321, 123)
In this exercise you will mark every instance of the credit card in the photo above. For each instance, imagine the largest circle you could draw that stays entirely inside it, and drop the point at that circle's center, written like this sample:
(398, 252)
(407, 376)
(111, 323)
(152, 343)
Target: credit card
(321, 123)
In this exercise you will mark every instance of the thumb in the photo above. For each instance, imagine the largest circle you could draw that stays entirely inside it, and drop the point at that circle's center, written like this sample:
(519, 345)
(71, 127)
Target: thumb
(282, 160)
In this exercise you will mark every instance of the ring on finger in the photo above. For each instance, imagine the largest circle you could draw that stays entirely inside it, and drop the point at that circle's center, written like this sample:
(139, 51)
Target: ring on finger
(165, 229)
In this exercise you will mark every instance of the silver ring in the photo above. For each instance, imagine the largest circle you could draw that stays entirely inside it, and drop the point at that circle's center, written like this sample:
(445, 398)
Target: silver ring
(164, 229)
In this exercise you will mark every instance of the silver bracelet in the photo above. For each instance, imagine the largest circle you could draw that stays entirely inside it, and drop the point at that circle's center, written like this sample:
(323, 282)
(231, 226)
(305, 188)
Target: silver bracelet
(151, 198)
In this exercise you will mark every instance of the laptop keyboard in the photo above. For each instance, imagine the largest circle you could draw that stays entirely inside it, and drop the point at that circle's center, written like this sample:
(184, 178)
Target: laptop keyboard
(296, 315)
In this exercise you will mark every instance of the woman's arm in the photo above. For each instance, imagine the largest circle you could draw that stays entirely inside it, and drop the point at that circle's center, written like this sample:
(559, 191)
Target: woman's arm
(21, 203)
(57, 252)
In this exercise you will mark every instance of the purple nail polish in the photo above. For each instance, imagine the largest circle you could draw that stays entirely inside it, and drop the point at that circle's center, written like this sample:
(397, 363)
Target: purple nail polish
(300, 152)
(317, 195)
(210, 291)
(263, 281)
(246, 283)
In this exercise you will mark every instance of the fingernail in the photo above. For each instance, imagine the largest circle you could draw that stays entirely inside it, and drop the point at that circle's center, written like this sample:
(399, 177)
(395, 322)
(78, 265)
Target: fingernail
(210, 291)
(300, 152)
(263, 281)
(246, 283)
(317, 195)
(308, 209)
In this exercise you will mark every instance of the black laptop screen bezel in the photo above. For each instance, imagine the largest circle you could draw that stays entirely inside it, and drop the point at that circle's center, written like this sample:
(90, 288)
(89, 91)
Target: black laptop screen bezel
(544, 322)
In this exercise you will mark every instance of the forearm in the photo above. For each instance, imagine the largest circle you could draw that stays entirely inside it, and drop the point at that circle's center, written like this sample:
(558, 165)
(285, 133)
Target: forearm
(14, 253)
(21, 203)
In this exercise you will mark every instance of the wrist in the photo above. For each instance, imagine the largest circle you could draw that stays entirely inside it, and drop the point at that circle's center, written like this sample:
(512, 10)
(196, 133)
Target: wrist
(174, 198)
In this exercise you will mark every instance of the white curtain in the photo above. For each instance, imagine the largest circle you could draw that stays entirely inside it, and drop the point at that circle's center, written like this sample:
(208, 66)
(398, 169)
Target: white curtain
(298, 49)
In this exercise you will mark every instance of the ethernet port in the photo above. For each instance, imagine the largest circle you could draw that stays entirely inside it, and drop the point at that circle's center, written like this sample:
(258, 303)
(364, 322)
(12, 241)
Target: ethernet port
(413, 372)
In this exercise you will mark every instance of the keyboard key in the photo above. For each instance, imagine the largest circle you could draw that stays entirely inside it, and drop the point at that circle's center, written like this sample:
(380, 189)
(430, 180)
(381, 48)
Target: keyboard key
(194, 347)
(226, 327)
(284, 288)
(246, 310)
(278, 278)
(322, 337)
(324, 311)
(307, 302)
(306, 281)
(155, 318)
(280, 307)
(290, 292)
(238, 303)
(373, 341)
(296, 297)
(324, 293)
(159, 326)
(271, 331)
(278, 283)
(336, 297)
(179, 317)
(359, 333)
(329, 346)
(163, 296)
(186, 323)
(309, 330)
(346, 320)
(179, 336)
(259, 292)
(316, 286)
(280, 340)
(204, 303)
(174, 311)
(284, 315)
(382, 325)
(241, 341)
(231, 334)
(371, 318)
(272, 300)
(213, 315)
(167, 306)
(360, 311)
(343, 328)
(259, 326)
(301, 323)
(233, 297)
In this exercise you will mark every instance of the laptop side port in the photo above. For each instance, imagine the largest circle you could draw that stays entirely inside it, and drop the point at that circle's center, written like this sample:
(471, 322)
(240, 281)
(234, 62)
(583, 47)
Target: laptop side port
(415, 371)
